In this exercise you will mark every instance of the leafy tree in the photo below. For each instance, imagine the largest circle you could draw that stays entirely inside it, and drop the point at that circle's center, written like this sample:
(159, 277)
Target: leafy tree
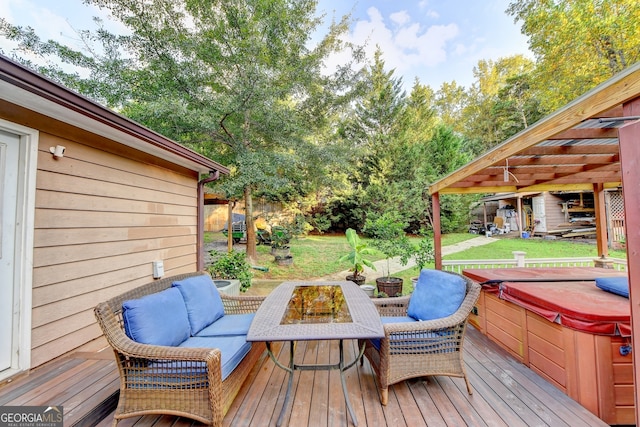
(451, 100)
(371, 133)
(498, 94)
(577, 43)
(408, 181)
(235, 80)
(516, 106)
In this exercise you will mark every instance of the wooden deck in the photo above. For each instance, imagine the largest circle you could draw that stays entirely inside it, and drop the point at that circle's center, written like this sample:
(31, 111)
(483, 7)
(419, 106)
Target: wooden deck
(506, 393)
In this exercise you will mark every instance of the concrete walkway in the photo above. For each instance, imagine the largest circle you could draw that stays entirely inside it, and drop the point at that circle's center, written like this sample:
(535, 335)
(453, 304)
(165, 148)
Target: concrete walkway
(395, 265)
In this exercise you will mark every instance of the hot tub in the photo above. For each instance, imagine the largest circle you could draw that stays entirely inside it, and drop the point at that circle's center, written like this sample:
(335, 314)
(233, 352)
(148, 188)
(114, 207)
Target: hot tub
(557, 322)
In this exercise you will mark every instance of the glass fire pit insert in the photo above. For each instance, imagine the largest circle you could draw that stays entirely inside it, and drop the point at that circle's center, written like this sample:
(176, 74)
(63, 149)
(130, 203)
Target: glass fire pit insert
(316, 304)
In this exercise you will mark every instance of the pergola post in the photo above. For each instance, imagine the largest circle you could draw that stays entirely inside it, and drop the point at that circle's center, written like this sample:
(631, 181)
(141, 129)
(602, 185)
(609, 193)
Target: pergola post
(519, 213)
(230, 225)
(601, 220)
(437, 234)
(629, 142)
(484, 211)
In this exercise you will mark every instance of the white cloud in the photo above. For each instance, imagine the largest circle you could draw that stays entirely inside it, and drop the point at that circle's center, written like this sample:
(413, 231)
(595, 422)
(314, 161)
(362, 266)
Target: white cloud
(410, 44)
(432, 14)
(400, 18)
(407, 46)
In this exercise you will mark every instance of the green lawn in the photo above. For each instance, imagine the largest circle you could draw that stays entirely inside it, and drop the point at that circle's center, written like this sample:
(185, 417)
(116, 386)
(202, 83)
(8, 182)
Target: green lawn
(317, 256)
(313, 256)
(535, 248)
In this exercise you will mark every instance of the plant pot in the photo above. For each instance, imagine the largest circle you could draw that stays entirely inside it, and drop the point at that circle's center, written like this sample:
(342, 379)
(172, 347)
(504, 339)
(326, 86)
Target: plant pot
(281, 251)
(391, 286)
(284, 260)
(414, 282)
(368, 289)
(358, 280)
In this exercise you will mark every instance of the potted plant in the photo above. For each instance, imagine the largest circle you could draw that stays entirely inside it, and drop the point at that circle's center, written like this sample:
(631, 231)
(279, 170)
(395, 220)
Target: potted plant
(356, 257)
(284, 260)
(280, 239)
(231, 265)
(389, 238)
(423, 254)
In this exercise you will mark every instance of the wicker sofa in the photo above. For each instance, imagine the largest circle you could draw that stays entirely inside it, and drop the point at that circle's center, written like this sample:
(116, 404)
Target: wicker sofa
(197, 377)
(415, 348)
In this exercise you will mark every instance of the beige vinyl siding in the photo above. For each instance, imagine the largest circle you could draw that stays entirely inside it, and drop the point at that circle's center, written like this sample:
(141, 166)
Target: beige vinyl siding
(553, 207)
(104, 213)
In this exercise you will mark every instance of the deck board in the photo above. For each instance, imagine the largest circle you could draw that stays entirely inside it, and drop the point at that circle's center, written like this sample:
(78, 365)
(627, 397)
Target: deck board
(506, 393)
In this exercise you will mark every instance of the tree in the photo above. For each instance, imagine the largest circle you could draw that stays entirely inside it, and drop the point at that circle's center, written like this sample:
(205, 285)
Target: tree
(451, 99)
(577, 43)
(233, 79)
(408, 180)
(500, 102)
(516, 106)
(372, 132)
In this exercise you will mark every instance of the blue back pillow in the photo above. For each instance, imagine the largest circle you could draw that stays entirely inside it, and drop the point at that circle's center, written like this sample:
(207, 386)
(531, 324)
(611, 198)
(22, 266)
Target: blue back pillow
(616, 285)
(158, 319)
(204, 305)
(437, 295)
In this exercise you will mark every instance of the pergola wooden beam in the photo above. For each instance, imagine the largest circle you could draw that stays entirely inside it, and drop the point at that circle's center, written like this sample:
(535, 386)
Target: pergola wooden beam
(571, 149)
(579, 159)
(588, 133)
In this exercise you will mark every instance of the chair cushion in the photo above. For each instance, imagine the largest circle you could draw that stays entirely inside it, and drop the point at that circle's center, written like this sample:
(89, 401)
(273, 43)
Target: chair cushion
(437, 295)
(159, 319)
(397, 319)
(233, 349)
(616, 285)
(391, 319)
(204, 305)
(163, 374)
(229, 325)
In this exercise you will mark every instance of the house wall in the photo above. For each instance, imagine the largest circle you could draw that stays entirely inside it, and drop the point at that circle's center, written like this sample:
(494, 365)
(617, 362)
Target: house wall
(104, 213)
(553, 208)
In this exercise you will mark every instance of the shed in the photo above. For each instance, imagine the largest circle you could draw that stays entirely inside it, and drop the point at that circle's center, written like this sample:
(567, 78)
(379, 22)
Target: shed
(91, 203)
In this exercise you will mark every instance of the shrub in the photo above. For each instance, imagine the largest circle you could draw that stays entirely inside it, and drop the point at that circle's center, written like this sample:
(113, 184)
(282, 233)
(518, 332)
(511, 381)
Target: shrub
(231, 265)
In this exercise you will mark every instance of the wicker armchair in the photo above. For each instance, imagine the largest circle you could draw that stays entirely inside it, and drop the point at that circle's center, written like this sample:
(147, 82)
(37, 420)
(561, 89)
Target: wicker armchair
(416, 349)
(176, 381)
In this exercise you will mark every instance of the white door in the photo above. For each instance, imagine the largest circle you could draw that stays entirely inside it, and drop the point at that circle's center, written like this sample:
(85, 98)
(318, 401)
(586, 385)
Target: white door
(18, 166)
(9, 155)
(539, 214)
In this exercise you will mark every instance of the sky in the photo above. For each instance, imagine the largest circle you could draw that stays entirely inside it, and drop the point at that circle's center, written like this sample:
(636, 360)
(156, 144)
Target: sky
(435, 41)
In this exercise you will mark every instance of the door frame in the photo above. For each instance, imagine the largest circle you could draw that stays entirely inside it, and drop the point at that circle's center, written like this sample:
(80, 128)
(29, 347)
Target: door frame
(23, 245)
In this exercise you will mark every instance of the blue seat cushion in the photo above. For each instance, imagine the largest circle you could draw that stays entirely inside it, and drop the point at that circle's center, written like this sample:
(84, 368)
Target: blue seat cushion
(233, 349)
(202, 299)
(391, 319)
(416, 341)
(616, 285)
(158, 319)
(397, 319)
(437, 295)
(229, 325)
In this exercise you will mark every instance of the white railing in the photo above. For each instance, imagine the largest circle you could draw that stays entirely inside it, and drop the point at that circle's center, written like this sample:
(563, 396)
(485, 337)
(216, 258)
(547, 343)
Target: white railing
(520, 261)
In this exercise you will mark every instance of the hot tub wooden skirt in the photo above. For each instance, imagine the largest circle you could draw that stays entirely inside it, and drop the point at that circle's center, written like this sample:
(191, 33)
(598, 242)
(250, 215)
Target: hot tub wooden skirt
(590, 368)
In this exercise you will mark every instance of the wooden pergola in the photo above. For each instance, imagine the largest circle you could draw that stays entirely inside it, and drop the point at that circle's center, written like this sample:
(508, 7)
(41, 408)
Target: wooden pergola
(592, 143)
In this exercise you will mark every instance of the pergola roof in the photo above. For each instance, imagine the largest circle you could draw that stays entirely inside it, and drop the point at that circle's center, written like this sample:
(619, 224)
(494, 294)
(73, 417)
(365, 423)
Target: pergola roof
(571, 149)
